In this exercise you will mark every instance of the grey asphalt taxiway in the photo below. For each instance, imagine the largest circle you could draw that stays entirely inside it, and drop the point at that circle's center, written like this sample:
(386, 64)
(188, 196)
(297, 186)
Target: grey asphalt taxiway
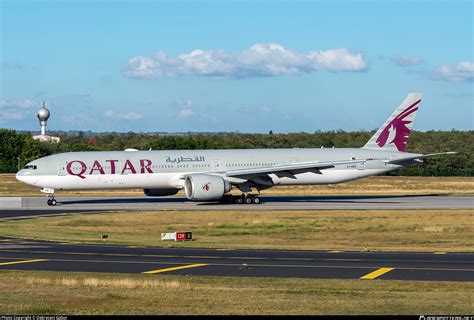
(153, 261)
(53, 256)
(380, 202)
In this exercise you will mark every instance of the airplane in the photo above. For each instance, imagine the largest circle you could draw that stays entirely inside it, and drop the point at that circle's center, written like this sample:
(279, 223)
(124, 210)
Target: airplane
(209, 175)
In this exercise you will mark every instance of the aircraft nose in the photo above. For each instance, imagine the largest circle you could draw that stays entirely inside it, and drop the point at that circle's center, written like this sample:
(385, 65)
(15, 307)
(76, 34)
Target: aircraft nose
(19, 176)
(26, 177)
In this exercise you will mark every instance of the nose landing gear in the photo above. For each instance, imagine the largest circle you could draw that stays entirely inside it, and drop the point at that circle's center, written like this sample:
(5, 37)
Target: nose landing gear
(51, 201)
(50, 191)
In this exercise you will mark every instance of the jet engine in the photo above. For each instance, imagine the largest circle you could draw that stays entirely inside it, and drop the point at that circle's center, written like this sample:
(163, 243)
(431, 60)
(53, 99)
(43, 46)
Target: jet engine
(205, 187)
(160, 192)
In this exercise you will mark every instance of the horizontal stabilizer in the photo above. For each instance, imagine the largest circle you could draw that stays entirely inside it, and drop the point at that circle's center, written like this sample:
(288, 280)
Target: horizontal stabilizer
(419, 157)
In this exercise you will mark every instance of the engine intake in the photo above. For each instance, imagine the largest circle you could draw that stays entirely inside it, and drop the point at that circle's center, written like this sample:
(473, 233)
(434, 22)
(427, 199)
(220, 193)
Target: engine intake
(205, 187)
(160, 192)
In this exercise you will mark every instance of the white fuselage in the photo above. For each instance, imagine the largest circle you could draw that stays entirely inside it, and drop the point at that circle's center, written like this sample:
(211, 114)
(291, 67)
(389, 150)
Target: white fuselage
(166, 169)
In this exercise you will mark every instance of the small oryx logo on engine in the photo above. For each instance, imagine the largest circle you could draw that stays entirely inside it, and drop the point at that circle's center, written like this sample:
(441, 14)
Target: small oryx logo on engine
(206, 186)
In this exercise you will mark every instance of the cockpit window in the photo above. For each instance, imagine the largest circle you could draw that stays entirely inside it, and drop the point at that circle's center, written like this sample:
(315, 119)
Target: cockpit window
(33, 167)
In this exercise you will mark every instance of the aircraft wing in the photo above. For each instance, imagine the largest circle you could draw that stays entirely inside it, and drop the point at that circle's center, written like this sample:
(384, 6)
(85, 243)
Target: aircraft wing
(419, 157)
(297, 167)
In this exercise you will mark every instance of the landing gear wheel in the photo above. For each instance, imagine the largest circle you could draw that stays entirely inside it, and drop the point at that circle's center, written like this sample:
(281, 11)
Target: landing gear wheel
(248, 200)
(256, 200)
(239, 200)
(51, 201)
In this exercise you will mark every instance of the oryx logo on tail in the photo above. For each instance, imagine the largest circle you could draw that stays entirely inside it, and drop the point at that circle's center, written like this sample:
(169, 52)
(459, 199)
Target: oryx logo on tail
(393, 135)
(396, 131)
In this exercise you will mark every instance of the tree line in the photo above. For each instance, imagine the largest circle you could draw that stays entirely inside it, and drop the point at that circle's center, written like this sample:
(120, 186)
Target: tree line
(18, 148)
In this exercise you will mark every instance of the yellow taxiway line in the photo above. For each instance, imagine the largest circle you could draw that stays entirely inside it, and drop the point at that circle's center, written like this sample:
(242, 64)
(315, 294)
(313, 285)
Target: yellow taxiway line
(253, 264)
(21, 261)
(377, 273)
(175, 268)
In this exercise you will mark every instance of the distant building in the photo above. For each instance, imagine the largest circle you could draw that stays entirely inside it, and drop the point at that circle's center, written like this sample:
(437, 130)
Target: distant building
(43, 115)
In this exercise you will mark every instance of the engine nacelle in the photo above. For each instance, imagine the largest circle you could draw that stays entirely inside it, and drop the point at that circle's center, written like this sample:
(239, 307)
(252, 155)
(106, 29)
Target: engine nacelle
(205, 187)
(160, 192)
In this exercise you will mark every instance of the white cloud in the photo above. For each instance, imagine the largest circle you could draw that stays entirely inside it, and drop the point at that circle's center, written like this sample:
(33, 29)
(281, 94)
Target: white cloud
(122, 115)
(24, 104)
(338, 60)
(184, 102)
(404, 61)
(259, 60)
(18, 109)
(13, 115)
(186, 113)
(462, 71)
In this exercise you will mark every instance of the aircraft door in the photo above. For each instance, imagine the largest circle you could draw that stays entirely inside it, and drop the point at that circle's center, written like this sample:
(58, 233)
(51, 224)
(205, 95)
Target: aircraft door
(216, 165)
(61, 169)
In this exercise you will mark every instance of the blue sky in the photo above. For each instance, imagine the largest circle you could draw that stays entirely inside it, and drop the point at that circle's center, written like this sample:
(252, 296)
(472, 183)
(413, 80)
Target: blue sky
(245, 66)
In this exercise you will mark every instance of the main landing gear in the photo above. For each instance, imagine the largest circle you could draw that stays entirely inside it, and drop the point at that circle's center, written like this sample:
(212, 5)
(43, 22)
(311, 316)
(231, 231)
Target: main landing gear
(242, 199)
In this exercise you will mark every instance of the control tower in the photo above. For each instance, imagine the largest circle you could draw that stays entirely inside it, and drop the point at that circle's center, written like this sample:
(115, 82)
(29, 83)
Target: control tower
(43, 116)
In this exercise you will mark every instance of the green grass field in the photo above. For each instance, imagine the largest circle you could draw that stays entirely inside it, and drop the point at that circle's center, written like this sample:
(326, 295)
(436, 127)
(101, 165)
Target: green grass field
(40, 292)
(395, 230)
